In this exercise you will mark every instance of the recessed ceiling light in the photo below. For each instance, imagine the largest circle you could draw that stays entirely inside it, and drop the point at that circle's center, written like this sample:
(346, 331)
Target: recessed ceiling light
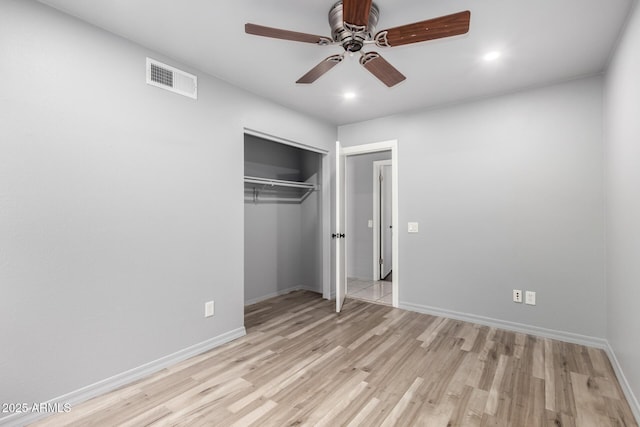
(349, 95)
(491, 56)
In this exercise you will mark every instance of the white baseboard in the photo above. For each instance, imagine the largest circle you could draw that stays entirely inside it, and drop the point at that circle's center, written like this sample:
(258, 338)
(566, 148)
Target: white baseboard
(624, 383)
(570, 337)
(281, 292)
(101, 387)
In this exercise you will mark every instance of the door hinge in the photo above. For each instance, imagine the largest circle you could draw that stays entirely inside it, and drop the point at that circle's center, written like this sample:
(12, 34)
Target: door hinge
(381, 177)
(381, 261)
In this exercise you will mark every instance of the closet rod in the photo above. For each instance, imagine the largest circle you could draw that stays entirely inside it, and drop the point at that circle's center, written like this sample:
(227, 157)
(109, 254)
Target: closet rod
(279, 182)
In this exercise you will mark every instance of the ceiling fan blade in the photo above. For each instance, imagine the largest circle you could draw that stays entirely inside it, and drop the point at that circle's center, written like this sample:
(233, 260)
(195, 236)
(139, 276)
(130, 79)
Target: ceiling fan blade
(379, 67)
(316, 72)
(277, 33)
(355, 13)
(436, 28)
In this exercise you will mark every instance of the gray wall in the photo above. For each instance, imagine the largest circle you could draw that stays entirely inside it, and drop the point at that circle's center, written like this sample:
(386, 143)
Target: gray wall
(121, 207)
(508, 193)
(622, 154)
(359, 212)
(282, 246)
(273, 249)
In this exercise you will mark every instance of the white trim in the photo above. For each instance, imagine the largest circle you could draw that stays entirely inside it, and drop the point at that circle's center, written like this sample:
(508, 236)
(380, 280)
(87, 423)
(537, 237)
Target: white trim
(395, 250)
(375, 147)
(624, 383)
(101, 387)
(341, 226)
(325, 229)
(279, 293)
(510, 326)
(284, 141)
(377, 167)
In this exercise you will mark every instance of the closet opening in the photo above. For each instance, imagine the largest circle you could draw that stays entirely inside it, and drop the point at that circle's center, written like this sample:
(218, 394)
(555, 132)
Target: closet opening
(283, 248)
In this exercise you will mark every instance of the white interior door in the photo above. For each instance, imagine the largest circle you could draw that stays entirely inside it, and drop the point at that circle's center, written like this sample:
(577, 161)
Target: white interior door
(386, 221)
(341, 258)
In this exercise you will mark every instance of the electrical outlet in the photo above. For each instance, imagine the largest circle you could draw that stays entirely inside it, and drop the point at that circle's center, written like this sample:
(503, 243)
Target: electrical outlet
(517, 295)
(208, 309)
(530, 298)
(412, 227)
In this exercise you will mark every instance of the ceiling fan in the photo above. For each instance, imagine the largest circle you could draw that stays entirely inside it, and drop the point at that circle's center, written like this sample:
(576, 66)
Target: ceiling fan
(353, 24)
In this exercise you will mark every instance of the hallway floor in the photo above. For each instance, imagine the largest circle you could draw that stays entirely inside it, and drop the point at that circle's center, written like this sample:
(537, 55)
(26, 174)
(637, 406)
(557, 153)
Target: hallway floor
(379, 292)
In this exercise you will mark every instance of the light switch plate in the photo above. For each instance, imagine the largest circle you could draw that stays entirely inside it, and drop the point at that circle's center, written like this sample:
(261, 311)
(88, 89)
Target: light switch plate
(209, 309)
(413, 227)
(530, 298)
(370, 224)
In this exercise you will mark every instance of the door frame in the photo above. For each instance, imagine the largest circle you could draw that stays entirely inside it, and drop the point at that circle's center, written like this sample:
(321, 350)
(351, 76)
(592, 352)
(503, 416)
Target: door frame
(391, 145)
(377, 219)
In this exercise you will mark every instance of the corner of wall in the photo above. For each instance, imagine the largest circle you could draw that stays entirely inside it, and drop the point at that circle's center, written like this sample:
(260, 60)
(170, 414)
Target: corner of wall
(624, 383)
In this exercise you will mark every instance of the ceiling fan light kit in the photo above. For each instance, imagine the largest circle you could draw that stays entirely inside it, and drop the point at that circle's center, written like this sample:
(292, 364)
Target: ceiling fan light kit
(353, 26)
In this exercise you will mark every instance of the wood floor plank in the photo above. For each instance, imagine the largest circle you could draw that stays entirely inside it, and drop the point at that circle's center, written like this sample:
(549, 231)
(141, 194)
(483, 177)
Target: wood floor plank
(255, 415)
(396, 413)
(302, 364)
(520, 341)
(206, 395)
(589, 404)
(470, 334)
(459, 381)
(432, 331)
(365, 412)
(549, 378)
(324, 411)
(271, 387)
(494, 391)
(538, 359)
(475, 409)
(435, 414)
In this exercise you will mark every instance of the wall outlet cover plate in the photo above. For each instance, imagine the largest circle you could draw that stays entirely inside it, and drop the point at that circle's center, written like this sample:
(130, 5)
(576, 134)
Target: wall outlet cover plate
(517, 295)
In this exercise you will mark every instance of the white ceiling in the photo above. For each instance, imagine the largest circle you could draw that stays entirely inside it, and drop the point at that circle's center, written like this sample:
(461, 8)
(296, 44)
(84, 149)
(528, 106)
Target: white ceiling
(541, 42)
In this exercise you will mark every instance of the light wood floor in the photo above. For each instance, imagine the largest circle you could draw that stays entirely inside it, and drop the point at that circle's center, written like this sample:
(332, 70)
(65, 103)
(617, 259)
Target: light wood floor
(303, 364)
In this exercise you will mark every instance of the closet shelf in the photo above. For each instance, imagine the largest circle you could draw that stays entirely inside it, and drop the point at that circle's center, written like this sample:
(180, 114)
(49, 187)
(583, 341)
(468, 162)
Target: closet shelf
(270, 185)
(278, 182)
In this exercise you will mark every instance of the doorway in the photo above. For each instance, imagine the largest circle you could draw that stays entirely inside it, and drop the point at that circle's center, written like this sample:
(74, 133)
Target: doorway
(342, 204)
(368, 213)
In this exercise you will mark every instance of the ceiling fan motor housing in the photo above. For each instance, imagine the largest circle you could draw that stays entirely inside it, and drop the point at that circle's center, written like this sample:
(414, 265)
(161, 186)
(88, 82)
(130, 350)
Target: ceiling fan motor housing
(352, 37)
